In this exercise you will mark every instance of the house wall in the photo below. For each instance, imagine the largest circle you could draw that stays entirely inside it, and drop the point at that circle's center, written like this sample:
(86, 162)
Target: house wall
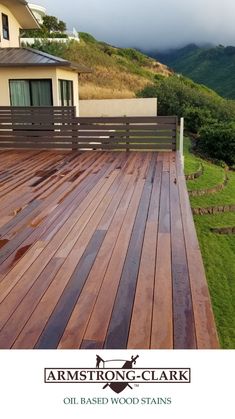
(52, 73)
(118, 107)
(14, 29)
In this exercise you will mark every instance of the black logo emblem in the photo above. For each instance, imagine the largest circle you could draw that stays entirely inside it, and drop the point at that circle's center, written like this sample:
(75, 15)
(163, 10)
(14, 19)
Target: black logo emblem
(116, 363)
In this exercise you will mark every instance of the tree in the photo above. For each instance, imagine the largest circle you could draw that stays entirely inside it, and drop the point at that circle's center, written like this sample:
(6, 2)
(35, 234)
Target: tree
(62, 26)
(52, 24)
(49, 26)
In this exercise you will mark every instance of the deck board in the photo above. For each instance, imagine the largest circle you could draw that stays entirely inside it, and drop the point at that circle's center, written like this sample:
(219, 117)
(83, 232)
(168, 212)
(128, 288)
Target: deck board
(99, 250)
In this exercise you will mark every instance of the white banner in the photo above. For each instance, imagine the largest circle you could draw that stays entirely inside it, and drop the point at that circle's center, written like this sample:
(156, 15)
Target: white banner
(70, 384)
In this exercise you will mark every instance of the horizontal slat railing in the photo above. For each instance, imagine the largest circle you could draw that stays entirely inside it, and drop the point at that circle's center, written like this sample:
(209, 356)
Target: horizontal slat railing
(57, 127)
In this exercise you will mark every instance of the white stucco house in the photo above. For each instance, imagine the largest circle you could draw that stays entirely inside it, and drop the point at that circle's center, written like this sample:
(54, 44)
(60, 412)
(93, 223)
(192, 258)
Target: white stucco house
(38, 11)
(29, 77)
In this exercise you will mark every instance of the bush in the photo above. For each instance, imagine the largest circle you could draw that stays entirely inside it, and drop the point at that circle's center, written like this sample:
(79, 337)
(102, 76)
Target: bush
(218, 141)
(54, 48)
(132, 54)
(57, 35)
(176, 93)
(195, 118)
(86, 37)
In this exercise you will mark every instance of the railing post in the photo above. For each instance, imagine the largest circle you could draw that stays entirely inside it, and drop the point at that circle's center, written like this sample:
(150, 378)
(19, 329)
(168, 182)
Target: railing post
(181, 148)
(75, 133)
(127, 136)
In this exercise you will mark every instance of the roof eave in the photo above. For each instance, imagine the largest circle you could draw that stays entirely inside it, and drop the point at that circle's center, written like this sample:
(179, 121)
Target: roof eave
(32, 65)
(66, 66)
(22, 13)
(27, 24)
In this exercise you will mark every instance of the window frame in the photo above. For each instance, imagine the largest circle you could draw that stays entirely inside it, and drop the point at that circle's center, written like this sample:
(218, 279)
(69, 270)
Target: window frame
(5, 27)
(61, 91)
(30, 89)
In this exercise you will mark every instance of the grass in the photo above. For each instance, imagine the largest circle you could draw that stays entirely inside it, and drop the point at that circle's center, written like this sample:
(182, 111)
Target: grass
(225, 197)
(212, 176)
(192, 163)
(92, 91)
(117, 72)
(218, 251)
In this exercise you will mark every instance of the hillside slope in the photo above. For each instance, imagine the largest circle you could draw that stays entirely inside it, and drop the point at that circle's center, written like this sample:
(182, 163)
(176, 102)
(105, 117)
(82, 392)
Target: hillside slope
(212, 66)
(117, 72)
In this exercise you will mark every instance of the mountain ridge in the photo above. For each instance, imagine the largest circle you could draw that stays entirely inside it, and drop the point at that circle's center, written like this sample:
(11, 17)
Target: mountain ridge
(211, 66)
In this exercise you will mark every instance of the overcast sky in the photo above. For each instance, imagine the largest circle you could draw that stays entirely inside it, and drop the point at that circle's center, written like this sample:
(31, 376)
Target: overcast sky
(149, 23)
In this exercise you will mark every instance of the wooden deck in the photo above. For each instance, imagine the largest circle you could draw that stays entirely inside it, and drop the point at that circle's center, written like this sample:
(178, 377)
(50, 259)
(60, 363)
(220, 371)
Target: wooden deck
(99, 250)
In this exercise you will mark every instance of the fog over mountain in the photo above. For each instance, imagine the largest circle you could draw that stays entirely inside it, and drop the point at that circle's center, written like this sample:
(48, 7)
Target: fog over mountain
(150, 24)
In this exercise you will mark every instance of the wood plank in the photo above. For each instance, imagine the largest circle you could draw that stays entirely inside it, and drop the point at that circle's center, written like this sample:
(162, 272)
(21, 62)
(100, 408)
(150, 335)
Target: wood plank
(183, 318)
(60, 215)
(152, 131)
(99, 321)
(83, 136)
(131, 139)
(131, 119)
(27, 196)
(162, 325)
(126, 146)
(13, 109)
(36, 323)
(92, 144)
(206, 333)
(50, 248)
(22, 314)
(32, 145)
(19, 318)
(76, 327)
(118, 330)
(20, 179)
(55, 327)
(123, 127)
(141, 321)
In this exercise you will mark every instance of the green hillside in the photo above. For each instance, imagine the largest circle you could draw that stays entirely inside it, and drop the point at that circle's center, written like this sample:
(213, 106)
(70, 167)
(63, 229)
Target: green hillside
(117, 72)
(212, 66)
(126, 73)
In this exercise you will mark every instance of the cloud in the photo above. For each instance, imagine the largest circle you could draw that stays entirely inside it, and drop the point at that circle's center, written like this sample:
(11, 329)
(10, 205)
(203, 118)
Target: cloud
(150, 23)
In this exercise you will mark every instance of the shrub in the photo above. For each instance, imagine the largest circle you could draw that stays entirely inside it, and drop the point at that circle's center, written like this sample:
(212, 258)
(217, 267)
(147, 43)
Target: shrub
(176, 93)
(57, 35)
(218, 141)
(196, 117)
(87, 37)
(54, 48)
(134, 55)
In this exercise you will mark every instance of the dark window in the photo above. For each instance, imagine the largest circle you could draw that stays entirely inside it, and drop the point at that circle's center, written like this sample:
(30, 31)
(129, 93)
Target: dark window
(66, 92)
(5, 27)
(31, 92)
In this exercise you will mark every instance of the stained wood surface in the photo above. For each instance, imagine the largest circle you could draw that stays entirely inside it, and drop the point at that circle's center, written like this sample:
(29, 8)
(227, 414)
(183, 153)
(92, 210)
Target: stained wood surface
(99, 250)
